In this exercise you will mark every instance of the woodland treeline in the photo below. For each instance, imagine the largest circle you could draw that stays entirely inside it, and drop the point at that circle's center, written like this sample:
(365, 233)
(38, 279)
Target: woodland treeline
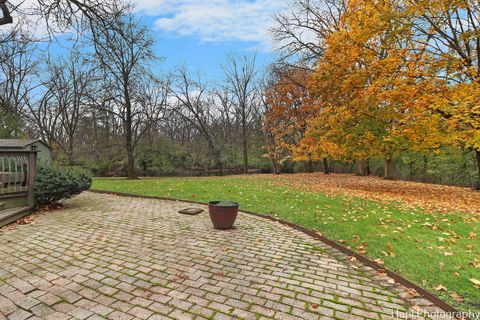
(388, 88)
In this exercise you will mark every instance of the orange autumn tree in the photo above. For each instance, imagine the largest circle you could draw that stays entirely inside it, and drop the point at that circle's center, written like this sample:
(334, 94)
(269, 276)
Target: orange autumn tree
(450, 33)
(364, 85)
(288, 110)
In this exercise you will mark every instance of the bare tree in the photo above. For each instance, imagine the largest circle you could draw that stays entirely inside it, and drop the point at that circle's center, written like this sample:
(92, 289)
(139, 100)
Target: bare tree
(59, 15)
(194, 105)
(6, 16)
(301, 32)
(17, 70)
(125, 54)
(58, 113)
(241, 72)
(151, 105)
(18, 67)
(225, 117)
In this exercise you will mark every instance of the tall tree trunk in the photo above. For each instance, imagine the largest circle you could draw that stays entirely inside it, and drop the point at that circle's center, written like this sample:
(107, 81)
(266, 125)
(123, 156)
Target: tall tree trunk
(411, 170)
(477, 154)
(219, 162)
(95, 134)
(368, 171)
(326, 170)
(425, 169)
(129, 146)
(130, 161)
(245, 145)
(389, 169)
(71, 159)
(217, 156)
(309, 165)
(362, 167)
(275, 166)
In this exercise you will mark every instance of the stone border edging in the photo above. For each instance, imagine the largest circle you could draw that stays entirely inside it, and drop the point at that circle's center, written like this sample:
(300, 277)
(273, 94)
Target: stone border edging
(366, 261)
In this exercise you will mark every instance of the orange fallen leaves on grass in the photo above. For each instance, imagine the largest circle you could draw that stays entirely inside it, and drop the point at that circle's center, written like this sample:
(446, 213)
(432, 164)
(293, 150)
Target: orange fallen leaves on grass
(456, 297)
(475, 263)
(430, 197)
(476, 283)
(441, 287)
(361, 249)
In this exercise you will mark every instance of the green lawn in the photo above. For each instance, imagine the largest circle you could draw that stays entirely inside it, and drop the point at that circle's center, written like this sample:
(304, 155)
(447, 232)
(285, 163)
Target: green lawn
(427, 248)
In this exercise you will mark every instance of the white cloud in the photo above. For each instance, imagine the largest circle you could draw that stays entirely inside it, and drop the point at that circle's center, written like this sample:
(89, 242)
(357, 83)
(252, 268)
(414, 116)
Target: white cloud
(215, 20)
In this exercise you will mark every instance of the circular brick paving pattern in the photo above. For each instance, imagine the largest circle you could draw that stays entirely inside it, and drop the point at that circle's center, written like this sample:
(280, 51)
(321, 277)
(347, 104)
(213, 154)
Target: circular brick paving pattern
(108, 257)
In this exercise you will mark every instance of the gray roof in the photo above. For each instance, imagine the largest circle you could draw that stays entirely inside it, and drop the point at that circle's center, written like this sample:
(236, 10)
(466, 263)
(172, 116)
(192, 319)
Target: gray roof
(18, 143)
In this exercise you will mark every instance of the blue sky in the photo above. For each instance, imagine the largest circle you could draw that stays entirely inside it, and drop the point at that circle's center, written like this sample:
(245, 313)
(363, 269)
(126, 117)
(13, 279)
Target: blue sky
(204, 57)
(200, 33)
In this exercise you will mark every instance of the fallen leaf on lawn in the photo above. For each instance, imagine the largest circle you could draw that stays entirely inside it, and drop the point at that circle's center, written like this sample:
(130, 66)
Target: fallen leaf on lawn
(382, 272)
(453, 234)
(433, 198)
(476, 283)
(361, 249)
(412, 293)
(475, 263)
(353, 259)
(440, 287)
(392, 254)
(447, 254)
(456, 297)
(379, 261)
(472, 236)
(389, 247)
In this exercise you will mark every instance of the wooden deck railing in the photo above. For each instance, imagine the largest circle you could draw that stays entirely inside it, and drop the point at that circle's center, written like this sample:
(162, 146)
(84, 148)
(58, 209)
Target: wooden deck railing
(18, 170)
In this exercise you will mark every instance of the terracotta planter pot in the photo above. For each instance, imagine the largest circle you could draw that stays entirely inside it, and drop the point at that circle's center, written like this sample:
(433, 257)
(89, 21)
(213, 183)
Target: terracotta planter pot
(222, 217)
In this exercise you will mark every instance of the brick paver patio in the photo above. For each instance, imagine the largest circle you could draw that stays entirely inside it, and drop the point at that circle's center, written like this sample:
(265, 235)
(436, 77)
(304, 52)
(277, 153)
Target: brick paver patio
(108, 257)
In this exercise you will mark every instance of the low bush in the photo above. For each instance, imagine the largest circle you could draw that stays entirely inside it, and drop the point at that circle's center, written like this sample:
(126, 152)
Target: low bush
(55, 184)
